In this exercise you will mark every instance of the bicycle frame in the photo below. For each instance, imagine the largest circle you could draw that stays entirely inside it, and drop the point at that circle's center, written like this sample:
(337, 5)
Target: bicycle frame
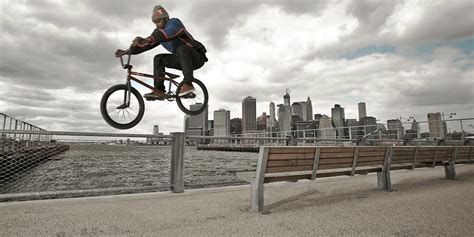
(131, 78)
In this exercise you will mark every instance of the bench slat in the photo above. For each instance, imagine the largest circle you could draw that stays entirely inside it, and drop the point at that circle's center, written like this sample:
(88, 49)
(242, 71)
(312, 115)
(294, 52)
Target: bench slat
(289, 169)
(335, 161)
(337, 150)
(287, 178)
(295, 156)
(288, 163)
(369, 163)
(372, 154)
(336, 155)
(371, 149)
(334, 166)
(291, 150)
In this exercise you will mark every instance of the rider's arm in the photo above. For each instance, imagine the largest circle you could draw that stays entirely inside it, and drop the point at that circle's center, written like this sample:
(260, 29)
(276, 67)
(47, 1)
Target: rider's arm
(140, 48)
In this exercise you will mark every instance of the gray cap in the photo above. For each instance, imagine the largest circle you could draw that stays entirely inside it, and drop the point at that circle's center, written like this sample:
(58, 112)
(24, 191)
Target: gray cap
(158, 13)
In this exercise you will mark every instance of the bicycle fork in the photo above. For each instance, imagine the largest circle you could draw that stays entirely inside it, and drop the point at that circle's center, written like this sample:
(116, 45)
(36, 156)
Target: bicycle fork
(126, 96)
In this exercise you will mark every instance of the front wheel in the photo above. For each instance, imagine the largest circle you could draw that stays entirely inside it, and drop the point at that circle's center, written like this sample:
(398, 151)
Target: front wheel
(194, 103)
(121, 108)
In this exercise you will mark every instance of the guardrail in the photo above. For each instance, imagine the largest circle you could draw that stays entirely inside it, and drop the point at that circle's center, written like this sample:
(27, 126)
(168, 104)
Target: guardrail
(115, 163)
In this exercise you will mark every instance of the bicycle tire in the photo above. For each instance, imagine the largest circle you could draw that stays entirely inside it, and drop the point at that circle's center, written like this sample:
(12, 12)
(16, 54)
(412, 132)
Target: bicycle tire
(202, 88)
(110, 120)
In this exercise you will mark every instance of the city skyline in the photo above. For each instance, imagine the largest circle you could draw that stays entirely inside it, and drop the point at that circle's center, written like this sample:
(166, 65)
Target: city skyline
(403, 58)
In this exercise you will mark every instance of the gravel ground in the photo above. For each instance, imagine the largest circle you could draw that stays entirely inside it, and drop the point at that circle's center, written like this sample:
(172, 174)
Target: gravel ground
(423, 203)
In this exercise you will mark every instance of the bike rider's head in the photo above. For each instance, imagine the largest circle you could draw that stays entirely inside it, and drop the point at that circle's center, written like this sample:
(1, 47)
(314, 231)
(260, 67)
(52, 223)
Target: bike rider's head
(159, 16)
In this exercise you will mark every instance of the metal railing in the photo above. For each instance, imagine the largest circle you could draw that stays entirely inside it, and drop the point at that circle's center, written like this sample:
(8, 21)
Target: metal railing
(113, 163)
(10, 123)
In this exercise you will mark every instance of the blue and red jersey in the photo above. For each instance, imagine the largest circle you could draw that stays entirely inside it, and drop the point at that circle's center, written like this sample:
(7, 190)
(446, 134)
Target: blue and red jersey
(173, 35)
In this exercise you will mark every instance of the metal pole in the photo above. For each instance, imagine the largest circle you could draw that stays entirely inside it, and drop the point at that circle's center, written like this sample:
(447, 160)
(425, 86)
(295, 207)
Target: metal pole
(16, 125)
(177, 163)
(462, 131)
(418, 133)
(4, 121)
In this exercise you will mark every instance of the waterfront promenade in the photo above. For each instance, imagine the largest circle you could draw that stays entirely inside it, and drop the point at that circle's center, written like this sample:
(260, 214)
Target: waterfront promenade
(423, 203)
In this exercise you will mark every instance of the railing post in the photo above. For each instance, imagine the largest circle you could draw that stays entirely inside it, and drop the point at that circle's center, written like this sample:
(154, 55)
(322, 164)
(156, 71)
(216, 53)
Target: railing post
(291, 140)
(177, 163)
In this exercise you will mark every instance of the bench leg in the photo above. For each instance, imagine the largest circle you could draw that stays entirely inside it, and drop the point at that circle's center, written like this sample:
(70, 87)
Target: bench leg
(383, 180)
(256, 193)
(450, 171)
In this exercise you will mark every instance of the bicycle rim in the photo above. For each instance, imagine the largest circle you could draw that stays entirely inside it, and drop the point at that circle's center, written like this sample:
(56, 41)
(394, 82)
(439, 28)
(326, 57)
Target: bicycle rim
(116, 110)
(196, 102)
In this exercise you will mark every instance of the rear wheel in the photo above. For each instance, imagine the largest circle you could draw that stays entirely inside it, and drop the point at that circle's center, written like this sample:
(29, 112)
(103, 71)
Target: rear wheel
(194, 103)
(119, 112)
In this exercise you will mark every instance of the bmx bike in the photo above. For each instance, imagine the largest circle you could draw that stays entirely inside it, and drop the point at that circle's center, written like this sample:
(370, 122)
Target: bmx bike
(122, 105)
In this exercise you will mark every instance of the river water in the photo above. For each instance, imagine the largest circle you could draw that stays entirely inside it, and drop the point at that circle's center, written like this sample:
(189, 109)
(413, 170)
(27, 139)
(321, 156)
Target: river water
(100, 166)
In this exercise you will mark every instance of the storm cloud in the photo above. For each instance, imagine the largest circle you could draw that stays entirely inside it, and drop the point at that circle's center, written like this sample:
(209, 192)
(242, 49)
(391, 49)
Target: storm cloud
(410, 57)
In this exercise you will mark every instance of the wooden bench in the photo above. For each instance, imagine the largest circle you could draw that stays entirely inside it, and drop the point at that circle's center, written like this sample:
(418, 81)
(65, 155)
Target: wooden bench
(277, 164)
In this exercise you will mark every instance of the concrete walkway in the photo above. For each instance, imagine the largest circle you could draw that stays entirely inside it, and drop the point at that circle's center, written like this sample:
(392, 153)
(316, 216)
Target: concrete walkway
(423, 203)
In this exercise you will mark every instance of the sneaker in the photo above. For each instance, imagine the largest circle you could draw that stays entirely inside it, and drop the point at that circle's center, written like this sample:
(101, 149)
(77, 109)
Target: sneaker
(155, 95)
(186, 89)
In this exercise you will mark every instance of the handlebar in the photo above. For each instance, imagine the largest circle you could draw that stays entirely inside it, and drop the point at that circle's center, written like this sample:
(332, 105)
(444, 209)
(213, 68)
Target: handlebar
(127, 65)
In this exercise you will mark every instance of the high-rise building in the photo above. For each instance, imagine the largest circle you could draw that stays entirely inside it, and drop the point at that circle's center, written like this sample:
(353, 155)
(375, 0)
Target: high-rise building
(156, 131)
(222, 123)
(297, 109)
(396, 128)
(249, 115)
(369, 123)
(272, 123)
(318, 117)
(284, 118)
(236, 126)
(362, 110)
(286, 98)
(198, 124)
(262, 122)
(326, 129)
(436, 125)
(338, 119)
(309, 110)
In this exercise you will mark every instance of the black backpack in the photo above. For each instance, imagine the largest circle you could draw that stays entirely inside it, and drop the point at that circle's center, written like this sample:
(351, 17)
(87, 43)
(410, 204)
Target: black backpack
(199, 47)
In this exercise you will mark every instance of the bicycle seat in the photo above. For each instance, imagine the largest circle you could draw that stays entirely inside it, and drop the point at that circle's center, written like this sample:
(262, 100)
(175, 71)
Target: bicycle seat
(171, 75)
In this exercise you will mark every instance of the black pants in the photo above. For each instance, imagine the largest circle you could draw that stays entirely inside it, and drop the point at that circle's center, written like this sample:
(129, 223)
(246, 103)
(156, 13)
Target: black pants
(186, 60)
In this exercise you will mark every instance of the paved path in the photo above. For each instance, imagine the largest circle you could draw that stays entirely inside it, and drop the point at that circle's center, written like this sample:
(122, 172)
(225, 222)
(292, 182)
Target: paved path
(423, 203)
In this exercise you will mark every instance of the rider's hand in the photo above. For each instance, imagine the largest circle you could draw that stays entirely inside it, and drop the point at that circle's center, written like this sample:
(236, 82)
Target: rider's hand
(119, 53)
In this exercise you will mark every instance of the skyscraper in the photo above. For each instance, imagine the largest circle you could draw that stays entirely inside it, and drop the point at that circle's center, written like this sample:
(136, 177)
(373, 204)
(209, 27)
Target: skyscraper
(198, 124)
(236, 126)
(338, 119)
(396, 128)
(326, 130)
(284, 118)
(262, 122)
(297, 109)
(222, 123)
(436, 125)
(309, 110)
(249, 115)
(286, 98)
(272, 123)
(362, 111)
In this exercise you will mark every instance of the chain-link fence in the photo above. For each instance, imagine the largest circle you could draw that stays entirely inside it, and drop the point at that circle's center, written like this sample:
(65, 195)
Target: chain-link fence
(74, 164)
(81, 164)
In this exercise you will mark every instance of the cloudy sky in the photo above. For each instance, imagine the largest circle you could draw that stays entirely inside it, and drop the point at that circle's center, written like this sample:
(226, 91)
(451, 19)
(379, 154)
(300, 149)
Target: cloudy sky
(403, 58)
